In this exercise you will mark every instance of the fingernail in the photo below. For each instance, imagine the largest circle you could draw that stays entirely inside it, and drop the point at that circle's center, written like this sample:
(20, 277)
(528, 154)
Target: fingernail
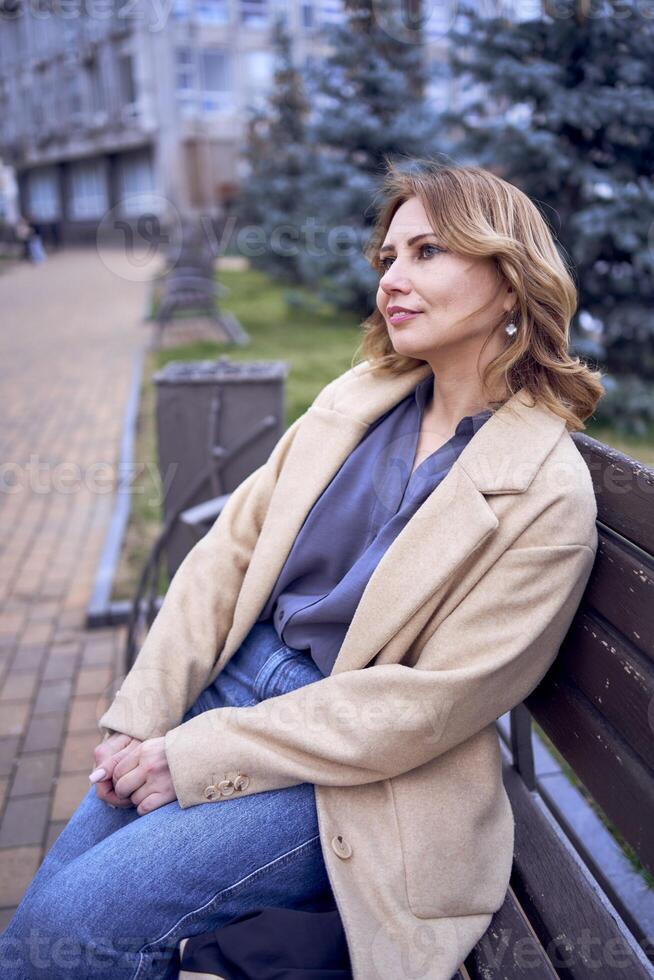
(97, 775)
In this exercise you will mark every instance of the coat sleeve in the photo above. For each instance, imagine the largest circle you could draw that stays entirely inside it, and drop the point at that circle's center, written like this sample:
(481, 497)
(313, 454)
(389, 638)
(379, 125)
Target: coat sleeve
(369, 724)
(174, 663)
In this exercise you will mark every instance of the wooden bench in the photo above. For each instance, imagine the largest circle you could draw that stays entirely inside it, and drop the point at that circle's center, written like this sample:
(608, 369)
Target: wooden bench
(561, 916)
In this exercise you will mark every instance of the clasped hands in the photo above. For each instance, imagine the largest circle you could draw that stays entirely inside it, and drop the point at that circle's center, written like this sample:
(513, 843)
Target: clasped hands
(129, 772)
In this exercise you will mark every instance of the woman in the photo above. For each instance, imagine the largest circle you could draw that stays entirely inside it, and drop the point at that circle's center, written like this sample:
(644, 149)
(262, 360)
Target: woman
(313, 711)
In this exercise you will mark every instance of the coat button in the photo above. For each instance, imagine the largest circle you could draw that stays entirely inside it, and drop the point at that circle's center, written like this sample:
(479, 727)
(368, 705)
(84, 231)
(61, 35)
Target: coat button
(341, 847)
(241, 782)
(210, 792)
(226, 787)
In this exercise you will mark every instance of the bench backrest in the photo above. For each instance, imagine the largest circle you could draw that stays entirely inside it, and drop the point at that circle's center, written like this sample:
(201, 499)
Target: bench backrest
(596, 704)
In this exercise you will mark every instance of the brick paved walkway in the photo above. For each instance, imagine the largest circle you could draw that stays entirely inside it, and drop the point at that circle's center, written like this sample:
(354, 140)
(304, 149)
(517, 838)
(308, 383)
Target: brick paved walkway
(70, 331)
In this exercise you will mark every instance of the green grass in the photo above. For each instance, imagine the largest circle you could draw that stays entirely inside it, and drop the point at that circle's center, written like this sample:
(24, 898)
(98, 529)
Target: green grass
(639, 447)
(317, 343)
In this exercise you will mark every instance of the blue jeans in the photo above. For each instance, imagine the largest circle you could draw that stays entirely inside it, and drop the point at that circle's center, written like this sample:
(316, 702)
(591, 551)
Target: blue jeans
(117, 892)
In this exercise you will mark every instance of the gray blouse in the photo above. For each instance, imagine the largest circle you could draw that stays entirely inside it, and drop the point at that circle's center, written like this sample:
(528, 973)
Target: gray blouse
(353, 522)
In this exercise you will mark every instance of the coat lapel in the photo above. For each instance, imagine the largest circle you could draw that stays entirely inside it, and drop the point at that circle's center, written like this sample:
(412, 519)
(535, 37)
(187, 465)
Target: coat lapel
(503, 456)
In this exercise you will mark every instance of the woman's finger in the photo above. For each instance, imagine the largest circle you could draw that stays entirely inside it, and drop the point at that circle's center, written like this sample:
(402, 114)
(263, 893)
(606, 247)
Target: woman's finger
(129, 783)
(124, 762)
(109, 765)
(105, 791)
(153, 801)
(113, 744)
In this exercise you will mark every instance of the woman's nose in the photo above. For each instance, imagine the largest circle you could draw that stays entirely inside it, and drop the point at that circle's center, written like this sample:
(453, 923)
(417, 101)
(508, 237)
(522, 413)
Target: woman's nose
(392, 282)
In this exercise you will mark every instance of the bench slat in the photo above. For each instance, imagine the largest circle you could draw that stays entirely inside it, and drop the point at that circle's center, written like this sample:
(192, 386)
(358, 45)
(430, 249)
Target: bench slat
(509, 948)
(623, 789)
(574, 921)
(624, 489)
(621, 588)
(616, 679)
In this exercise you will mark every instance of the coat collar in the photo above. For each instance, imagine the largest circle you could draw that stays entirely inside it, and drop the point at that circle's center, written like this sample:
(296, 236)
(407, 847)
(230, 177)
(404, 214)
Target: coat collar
(506, 452)
(503, 456)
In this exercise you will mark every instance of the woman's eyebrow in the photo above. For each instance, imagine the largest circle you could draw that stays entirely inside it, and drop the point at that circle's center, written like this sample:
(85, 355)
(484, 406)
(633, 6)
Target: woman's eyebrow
(412, 241)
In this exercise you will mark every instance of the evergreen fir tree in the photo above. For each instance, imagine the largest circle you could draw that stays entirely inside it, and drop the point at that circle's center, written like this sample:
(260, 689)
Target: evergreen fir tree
(278, 155)
(576, 132)
(368, 105)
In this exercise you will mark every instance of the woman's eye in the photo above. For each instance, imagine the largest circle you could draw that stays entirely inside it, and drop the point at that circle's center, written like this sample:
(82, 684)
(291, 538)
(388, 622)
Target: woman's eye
(435, 249)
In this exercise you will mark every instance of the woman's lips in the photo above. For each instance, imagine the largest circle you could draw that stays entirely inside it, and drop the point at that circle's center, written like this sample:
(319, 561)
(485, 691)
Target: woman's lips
(401, 317)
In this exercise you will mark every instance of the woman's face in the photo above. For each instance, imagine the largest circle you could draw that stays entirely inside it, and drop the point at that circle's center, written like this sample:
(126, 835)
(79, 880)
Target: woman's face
(442, 287)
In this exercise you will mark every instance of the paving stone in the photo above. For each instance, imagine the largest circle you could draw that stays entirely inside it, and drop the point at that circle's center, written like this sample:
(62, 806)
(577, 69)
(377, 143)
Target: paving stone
(35, 774)
(69, 793)
(71, 618)
(53, 696)
(25, 821)
(69, 648)
(85, 713)
(45, 732)
(77, 753)
(29, 658)
(8, 750)
(60, 667)
(93, 680)
(19, 685)
(37, 633)
(14, 718)
(18, 865)
(98, 655)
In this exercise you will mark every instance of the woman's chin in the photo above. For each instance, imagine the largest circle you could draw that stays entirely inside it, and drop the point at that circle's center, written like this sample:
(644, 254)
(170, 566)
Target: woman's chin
(409, 346)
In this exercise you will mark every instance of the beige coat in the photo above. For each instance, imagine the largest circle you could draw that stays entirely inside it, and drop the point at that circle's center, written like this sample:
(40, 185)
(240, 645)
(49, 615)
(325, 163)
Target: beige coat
(460, 620)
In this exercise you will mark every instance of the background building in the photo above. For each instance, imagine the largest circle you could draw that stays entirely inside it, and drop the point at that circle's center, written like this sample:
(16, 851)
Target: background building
(127, 104)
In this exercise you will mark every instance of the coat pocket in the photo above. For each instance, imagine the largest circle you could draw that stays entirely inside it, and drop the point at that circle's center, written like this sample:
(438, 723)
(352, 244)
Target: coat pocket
(456, 830)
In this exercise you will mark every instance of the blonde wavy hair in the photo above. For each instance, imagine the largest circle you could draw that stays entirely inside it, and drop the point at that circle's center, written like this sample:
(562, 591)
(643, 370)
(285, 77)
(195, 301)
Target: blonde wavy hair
(477, 213)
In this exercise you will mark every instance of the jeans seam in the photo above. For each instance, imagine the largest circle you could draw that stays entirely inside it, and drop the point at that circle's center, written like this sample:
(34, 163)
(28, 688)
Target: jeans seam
(280, 861)
(268, 669)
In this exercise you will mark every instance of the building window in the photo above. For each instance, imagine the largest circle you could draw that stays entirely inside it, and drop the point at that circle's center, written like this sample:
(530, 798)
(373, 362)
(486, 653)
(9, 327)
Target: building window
(43, 195)
(126, 79)
(331, 11)
(526, 10)
(137, 185)
(37, 110)
(96, 87)
(213, 11)
(185, 79)
(216, 82)
(184, 70)
(88, 190)
(254, 12)
(74, 94)
(308, 16)
(182, 9)
(258, 74)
